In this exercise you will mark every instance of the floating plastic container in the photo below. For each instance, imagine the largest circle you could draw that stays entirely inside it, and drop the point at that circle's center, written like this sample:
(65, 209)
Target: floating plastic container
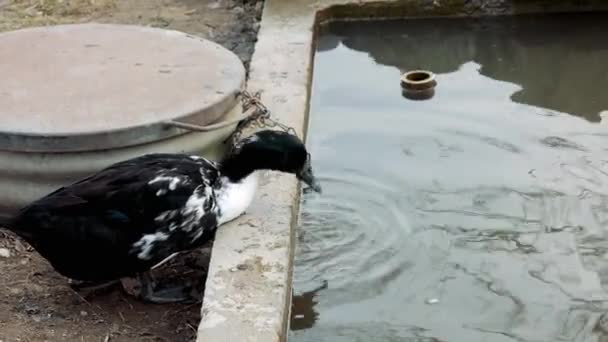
(418, 84)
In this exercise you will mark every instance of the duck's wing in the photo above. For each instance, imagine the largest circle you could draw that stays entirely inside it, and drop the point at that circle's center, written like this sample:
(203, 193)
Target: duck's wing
(123, 219)
(130, 199)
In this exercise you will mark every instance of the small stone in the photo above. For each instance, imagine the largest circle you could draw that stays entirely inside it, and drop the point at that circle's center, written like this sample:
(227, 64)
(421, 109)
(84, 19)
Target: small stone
(31, 309)
(84, 313)
(20, 247)
(5, 253)
(432, 301)
(255, 26)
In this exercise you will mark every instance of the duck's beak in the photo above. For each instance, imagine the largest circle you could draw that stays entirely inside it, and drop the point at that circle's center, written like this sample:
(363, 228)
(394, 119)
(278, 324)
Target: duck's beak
(308, 177)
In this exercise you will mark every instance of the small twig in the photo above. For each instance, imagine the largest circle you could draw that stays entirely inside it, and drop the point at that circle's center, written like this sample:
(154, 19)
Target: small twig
(162, 318)
(81, 297)
(107, 339)
(187, 307)
(128, 303)
(86, 301)
(191, 327)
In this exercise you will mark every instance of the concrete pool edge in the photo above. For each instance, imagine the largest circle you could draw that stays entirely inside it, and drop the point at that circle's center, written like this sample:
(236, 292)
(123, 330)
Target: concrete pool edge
(248, 288)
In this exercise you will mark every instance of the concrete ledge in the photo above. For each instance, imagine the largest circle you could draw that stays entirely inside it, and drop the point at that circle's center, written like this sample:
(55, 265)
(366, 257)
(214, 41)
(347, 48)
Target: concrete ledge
(248, 290)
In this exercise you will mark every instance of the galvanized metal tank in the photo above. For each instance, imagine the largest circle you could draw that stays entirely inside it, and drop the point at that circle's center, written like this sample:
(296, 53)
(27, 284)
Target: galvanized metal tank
(77, 98)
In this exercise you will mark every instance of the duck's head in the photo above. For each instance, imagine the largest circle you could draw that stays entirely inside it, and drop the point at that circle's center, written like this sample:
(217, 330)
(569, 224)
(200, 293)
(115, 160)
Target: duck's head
(270, 150)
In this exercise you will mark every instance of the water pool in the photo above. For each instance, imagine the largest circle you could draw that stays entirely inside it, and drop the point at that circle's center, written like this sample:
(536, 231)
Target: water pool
(478, 215)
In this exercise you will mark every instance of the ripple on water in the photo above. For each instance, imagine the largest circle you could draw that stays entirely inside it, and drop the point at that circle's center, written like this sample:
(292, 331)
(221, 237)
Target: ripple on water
(479, 200)
(354, 233)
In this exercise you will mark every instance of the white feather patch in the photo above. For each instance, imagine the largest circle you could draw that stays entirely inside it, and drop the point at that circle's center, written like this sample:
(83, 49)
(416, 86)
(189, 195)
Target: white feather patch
(173, 181)
(234, 198)
(147, 242)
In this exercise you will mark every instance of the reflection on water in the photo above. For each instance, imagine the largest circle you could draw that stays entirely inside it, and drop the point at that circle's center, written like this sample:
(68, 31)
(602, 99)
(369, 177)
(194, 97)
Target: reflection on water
(548, 56)
(478, 215)
(303, 315)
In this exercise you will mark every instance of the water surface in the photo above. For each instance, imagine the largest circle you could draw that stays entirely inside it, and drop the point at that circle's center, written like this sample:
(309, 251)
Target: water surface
(479, 215)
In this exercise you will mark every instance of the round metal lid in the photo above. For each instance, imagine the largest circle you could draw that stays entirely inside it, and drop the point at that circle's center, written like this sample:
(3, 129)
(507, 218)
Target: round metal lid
(96, 86)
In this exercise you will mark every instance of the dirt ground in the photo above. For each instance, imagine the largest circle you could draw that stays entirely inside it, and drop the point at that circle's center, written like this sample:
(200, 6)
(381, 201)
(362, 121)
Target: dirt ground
(231, 23)
(36, 303)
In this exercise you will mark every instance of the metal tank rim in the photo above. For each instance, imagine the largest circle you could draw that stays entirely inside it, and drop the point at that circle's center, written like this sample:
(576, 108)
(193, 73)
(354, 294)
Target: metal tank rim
(87, 55)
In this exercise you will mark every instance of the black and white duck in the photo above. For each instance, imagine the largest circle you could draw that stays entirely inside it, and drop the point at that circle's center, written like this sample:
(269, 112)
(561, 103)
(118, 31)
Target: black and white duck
(135, 214)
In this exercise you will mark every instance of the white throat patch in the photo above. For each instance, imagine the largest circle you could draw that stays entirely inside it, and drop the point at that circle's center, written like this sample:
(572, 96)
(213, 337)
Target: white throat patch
(234, 198)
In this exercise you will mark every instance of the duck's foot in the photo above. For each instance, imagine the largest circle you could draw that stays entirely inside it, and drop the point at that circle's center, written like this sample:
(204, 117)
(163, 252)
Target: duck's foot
(145, 288)
(91, 288)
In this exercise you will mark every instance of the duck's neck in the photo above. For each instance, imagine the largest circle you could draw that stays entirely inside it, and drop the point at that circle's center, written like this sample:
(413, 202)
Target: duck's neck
(239, 180)
(234, 197)
(237, 167)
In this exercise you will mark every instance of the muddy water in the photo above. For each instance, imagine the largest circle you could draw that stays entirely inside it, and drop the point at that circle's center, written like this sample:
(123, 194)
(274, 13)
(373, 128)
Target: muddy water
(478, 215)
